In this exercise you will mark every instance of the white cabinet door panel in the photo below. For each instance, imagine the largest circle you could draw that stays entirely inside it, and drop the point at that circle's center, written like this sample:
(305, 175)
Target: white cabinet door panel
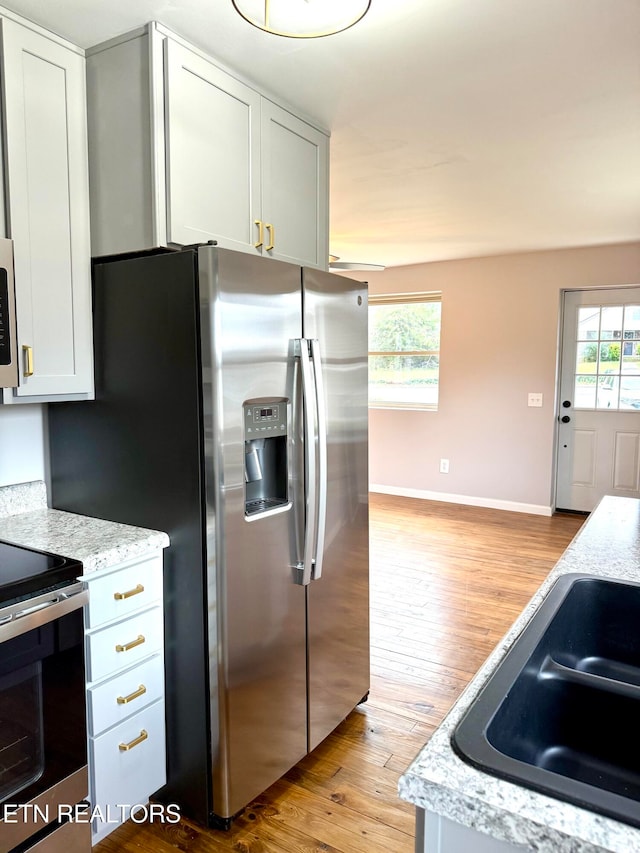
(48, 212)
(213, 140)
(626, 459)
(294, 180)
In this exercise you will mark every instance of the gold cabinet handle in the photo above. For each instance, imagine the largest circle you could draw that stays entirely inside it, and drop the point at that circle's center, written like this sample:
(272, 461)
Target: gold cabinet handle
(125, 747)
(124, 700)
(28, 360)
(120, 596)
(260, 225)
(272, 237)
(131, 645)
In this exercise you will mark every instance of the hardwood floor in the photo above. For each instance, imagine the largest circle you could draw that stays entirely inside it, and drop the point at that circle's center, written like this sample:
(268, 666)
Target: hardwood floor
(447, 581)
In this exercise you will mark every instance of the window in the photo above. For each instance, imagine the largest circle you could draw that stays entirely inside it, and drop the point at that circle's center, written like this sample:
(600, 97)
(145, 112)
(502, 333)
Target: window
(404, 350)
(607, 374)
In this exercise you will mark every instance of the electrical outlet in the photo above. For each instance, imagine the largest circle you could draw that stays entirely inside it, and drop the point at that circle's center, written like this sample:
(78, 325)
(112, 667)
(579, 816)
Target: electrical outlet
(444, 466)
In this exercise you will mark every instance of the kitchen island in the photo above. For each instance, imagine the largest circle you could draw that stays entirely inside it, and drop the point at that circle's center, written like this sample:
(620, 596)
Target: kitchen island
(460, 808)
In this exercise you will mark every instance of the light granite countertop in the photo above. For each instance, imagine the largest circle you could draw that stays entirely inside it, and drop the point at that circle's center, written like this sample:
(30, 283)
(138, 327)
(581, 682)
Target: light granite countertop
(26, 520)
(438, 781)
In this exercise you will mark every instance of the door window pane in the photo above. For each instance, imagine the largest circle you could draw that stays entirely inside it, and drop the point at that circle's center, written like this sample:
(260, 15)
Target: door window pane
(609, 357)
(607, 392)
(586, 357)
(632, 322)
(611, 323)
(629, 392)
(588, 323)
(585, 392)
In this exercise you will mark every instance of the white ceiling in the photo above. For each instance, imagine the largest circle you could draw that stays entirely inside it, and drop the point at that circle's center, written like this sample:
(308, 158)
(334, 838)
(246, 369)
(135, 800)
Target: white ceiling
(459, 127)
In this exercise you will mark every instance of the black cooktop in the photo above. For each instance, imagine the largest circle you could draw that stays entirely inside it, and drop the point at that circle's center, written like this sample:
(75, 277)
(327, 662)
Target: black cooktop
(25, 572)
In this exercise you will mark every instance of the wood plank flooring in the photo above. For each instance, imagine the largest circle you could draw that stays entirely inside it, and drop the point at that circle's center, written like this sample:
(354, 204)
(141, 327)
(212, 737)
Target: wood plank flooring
(447, 581)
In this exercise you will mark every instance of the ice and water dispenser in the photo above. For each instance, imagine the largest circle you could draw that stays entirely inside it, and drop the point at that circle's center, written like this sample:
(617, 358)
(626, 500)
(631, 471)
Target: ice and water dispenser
(265, 456)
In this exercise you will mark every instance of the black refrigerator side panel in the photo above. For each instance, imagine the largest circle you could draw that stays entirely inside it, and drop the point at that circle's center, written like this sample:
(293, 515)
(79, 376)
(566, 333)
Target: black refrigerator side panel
(134, 456)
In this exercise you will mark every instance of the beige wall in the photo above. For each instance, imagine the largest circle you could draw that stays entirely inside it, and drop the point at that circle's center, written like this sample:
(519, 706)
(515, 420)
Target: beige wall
(499, 342)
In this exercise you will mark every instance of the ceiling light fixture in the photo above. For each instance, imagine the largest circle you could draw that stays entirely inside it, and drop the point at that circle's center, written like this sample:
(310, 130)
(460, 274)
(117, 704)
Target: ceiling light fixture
(302, 19)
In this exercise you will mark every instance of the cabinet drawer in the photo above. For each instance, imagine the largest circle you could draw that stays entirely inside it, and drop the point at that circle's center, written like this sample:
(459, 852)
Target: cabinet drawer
(113, 701)
(124, 644)
(120, 593)
(128, 777)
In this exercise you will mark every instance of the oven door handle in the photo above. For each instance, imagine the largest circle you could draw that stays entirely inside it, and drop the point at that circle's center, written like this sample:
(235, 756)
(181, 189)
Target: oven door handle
(36, 612)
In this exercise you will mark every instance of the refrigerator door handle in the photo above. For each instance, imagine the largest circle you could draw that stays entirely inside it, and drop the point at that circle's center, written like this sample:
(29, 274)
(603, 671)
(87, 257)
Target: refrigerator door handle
(321, 410)
(311, 490)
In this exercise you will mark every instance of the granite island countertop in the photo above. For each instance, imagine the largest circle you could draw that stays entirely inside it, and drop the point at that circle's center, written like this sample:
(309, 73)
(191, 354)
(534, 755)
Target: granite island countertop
(26, 520)
(438, 781)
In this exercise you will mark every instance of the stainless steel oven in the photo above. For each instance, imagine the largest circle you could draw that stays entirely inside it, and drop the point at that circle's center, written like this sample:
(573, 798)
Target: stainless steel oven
(8, 331)
(43, 737)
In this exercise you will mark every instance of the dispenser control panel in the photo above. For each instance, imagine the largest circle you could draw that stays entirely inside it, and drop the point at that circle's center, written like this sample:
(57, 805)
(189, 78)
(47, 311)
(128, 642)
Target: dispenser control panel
(265, 420)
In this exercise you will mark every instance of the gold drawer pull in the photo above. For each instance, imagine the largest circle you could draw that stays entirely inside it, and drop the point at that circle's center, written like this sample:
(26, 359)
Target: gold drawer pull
(124, 700)
(130, 645)
(125, 747)
(120, 596)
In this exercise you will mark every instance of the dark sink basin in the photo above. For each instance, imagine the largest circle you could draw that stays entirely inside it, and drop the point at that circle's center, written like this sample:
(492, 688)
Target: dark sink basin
(560, 712)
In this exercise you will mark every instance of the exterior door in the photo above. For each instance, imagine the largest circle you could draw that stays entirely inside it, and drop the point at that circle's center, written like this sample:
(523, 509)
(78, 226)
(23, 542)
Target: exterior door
(338, 602)
(599, 429)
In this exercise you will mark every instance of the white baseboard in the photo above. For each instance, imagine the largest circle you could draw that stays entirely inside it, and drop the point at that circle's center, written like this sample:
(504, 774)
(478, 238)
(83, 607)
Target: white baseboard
(489, 503)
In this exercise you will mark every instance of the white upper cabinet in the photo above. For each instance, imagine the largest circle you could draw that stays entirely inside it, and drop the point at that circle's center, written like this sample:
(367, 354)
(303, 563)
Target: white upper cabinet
(47, 207)
(294, 181)
(213, 152)
(182, 151)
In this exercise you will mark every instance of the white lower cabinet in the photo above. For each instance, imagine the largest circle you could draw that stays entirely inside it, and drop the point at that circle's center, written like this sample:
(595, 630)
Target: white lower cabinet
(129, 764)
(436, 834)
(124, 647)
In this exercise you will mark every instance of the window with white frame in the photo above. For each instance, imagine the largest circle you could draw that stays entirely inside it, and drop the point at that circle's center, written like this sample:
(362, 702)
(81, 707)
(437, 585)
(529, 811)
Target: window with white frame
(404, 350)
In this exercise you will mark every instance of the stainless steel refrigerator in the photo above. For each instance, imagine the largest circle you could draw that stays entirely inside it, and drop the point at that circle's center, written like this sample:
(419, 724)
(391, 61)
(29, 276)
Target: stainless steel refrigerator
(231, 411)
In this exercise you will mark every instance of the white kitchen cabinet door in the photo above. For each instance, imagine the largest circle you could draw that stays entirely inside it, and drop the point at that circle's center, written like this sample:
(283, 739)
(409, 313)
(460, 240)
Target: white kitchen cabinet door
(47, 203)
(129, 765)
(294, 188)
(212, 151)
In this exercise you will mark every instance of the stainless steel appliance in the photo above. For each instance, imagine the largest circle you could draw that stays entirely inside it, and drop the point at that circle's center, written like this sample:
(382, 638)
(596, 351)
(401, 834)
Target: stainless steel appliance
(43, 736)
(8, 333)
(231, 411)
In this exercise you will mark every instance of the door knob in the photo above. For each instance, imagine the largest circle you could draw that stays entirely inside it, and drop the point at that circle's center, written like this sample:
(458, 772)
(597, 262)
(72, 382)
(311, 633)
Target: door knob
(566, 404)
(565, 419)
